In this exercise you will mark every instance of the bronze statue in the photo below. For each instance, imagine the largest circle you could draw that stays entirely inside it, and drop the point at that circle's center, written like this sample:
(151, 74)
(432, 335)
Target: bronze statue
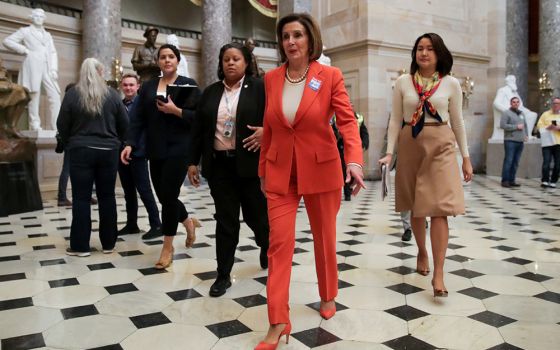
(13, 99)
(144, 59)
(250, 44)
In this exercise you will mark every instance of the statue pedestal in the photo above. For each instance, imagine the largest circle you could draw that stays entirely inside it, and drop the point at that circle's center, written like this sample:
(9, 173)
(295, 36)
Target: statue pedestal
(19, 190)
(36, 134)
(529, 165)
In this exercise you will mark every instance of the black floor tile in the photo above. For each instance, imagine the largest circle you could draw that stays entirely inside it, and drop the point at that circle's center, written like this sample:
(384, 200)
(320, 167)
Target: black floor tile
(343, 284)
(149, 320)
(201, 245)
(30, 341)
(298, 250)
(37, 235)
(7, 244)
(492, 319)
(228, 328)
(544, 240)
(351, 242)
(151, 271)
(401, 255)
(467, 273)
(79, 311)
(156, 242)
(406, 312)
(518, 261)
(131, 253)
(408, 342)
(534, 277)
(12, 277)
(210, 275)
(121, 288)
(315, 337)
(345, 267)
(250, 301)
(44, 247)
(404, 288)
(52, 262)
(64, 282)
(549, 296)
(245, 248)
(348, 253)
(184, 294)
(102, 266)
(316, 306)
(15, 303)
(505, 248)
(454, 246)
(402, 270)
(477, 293)
(494, 238)
(109, 347)
(458, 258)
(504, 346)
(9, 258)
(261, 280)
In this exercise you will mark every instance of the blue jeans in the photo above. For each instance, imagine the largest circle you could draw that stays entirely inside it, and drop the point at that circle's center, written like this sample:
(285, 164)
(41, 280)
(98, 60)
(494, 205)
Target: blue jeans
(135, 177)
(89, 166)
(513, 150)
(549, 153)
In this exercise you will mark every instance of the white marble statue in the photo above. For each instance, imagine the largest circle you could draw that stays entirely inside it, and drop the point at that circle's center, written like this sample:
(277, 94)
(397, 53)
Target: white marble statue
(323, 59)
(183, 68)
(502, 103)
(39, 68)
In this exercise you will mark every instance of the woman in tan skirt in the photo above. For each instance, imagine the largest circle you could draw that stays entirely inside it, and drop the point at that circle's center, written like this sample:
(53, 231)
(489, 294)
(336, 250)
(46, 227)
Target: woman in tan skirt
(427, 178)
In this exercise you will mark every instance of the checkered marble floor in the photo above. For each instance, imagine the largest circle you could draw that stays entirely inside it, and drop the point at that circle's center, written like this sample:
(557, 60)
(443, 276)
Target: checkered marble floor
(503, 275)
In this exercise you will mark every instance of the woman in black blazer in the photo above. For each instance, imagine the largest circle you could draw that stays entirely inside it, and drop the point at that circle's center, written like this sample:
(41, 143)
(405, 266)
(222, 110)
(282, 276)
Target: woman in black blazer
(167, 129)
(226, 134)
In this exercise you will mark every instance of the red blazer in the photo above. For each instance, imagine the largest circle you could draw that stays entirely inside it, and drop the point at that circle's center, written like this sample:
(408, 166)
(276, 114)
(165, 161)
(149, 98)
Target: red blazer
(310, 138)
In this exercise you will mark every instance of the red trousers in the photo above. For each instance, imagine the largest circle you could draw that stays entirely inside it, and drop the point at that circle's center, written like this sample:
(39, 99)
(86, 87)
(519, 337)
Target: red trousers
(322, 209)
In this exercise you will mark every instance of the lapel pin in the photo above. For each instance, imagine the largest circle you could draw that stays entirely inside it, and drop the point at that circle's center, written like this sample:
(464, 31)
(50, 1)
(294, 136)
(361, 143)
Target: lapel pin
(246, 86)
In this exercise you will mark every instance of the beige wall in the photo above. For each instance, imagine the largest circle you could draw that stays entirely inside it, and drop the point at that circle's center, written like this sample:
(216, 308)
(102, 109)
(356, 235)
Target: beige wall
(370, 41)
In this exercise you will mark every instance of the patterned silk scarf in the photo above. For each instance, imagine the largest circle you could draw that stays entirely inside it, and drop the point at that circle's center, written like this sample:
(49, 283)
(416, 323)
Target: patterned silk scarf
(424, 106)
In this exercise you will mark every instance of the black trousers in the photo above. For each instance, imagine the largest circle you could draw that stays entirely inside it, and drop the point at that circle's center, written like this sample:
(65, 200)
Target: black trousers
(135, 177)
(550, 153)
(89, 166)
(168, 176)
(230, 193)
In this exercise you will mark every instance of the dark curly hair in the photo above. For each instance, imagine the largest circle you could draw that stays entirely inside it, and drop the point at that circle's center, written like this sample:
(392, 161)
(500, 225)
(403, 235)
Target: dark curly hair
(246, 55)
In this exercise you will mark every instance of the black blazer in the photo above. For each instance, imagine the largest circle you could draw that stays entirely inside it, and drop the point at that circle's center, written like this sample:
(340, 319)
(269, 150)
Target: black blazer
(250, 111)
(167, 135)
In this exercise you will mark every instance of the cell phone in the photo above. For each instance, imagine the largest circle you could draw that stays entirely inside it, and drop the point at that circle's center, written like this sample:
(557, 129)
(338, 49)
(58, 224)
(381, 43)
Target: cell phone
(554, 122)
(161, 98)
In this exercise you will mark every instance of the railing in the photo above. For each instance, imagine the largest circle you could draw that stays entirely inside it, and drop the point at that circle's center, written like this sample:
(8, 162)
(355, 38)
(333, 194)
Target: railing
(127, 23)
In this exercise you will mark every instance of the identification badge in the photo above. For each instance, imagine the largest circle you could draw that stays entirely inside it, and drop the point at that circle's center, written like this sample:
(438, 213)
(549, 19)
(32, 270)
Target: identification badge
(315, 84)
(228, 128)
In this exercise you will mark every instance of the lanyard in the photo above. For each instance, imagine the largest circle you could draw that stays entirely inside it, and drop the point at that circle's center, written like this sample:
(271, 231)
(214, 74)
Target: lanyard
(229, 105)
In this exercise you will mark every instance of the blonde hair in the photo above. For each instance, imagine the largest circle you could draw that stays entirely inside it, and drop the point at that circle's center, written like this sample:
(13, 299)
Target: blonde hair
(91, 87)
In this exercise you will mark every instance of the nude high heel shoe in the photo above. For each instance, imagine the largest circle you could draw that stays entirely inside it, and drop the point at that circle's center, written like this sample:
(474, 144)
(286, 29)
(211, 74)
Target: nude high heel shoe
(191, 225)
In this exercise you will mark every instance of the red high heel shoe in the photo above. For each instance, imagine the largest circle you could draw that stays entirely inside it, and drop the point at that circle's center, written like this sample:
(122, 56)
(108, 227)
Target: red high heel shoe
(327, 313)
(266, 346)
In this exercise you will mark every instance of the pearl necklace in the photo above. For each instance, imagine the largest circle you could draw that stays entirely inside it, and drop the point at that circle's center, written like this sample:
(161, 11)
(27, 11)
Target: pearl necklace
(297, 80)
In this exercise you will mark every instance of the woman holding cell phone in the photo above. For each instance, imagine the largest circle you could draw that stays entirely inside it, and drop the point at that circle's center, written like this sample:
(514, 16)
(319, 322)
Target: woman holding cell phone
(167, 129)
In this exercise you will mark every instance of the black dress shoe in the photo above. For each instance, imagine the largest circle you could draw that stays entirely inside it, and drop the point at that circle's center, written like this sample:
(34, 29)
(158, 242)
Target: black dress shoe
(506, 184)
(128, 230)
(154, 232)
(407, 236)
(514, 184)
(220, 286)
(263, 258)
(64, 203)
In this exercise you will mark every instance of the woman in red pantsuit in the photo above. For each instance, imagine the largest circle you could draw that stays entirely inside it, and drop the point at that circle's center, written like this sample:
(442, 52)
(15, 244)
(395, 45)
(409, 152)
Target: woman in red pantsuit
(299, 158)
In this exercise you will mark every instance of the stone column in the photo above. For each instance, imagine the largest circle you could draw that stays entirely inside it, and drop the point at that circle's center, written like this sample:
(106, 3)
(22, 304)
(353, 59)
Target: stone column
(286, 7)
(549, 50)
(517, 43)
(216, 32)
(101, 38)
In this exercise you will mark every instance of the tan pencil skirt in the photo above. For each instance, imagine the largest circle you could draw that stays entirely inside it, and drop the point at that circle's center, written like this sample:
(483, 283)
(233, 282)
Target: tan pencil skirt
(427, 179)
